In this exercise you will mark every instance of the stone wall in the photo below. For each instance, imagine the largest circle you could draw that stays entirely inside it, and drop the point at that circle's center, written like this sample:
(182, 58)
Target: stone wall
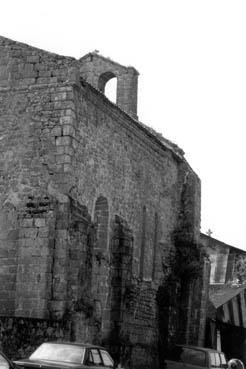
(31, 111)
(95, 212)
(19, 337)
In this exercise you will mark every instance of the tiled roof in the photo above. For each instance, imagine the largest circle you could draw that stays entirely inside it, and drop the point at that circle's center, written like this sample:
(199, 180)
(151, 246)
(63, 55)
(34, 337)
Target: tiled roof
(224, 294)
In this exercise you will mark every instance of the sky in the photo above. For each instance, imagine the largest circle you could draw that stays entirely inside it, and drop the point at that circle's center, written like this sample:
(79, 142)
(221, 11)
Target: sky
(191, 56)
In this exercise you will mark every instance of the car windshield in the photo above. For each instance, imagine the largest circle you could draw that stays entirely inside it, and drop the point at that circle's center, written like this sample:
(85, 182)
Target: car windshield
(59, 352)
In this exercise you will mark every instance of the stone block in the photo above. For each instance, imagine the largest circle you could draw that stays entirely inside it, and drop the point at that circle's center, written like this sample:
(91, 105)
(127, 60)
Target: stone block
(26, 222)
(4, 73)
(68, 130)
(65, 140)
(59, 96)
(66, 120)
(40, 222)
(56, 131)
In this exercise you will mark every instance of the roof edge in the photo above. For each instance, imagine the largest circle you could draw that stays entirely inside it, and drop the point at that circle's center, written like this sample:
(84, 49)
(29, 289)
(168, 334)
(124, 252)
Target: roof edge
(221, 243)
(95, 54)
(165, 143)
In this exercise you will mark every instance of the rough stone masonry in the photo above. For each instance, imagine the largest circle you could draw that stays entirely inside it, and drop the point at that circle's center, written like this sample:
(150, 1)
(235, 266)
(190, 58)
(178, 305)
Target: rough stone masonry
(100, 215)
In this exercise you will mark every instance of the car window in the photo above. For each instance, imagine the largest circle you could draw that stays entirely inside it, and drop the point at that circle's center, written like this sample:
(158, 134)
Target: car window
(94, 357)
(3, 363)
(215, 360)
(193, 357)
(107, 360)
(223, 360)
(59, 352)
(212, 359)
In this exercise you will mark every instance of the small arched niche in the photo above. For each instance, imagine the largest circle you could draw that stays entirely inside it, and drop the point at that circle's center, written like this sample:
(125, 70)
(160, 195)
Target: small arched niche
(107, 83)
(101, 216)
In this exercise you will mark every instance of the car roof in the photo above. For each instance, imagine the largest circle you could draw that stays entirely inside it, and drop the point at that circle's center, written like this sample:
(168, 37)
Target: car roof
(81, 344)
(207, 349)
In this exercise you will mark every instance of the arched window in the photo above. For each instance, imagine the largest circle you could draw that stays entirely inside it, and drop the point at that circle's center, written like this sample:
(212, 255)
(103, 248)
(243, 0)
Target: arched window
(101, 216)
(107, 83)
(141, 261)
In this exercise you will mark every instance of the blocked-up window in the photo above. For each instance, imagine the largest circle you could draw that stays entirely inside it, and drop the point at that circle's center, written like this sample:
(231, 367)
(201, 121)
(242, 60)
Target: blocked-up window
(142, 250)
(155, 245)
(101, 216)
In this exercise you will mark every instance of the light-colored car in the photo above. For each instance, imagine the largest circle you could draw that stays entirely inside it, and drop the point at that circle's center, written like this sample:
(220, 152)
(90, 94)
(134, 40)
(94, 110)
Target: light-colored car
(62, 355)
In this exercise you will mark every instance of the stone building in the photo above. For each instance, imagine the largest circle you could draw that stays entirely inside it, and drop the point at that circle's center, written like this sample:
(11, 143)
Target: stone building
(100, 216)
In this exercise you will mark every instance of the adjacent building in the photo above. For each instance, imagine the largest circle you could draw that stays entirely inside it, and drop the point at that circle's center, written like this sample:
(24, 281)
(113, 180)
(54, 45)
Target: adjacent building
(226, 328)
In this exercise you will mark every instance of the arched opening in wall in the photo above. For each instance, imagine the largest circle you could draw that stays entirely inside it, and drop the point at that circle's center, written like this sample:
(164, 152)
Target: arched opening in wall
(101, 216)
(111, 90)
(107, 84)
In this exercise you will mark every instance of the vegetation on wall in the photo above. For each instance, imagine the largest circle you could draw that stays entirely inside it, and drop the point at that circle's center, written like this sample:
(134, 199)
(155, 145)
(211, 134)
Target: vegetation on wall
(189, 258)
(173, 295)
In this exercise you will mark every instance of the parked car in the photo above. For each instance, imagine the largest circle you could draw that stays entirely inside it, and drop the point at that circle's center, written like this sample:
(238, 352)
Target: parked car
(52, 355)
(192, 357)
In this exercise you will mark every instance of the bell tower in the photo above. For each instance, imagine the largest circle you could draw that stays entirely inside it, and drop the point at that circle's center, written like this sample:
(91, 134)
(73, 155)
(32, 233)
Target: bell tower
(98, 70)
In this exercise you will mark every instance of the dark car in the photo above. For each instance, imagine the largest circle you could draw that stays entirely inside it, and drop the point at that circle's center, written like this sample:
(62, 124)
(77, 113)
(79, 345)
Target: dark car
(193, 357)
(52, 355)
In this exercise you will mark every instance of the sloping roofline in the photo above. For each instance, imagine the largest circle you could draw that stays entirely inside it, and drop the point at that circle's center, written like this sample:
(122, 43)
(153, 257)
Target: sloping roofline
(225, 294)
(203, 235)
